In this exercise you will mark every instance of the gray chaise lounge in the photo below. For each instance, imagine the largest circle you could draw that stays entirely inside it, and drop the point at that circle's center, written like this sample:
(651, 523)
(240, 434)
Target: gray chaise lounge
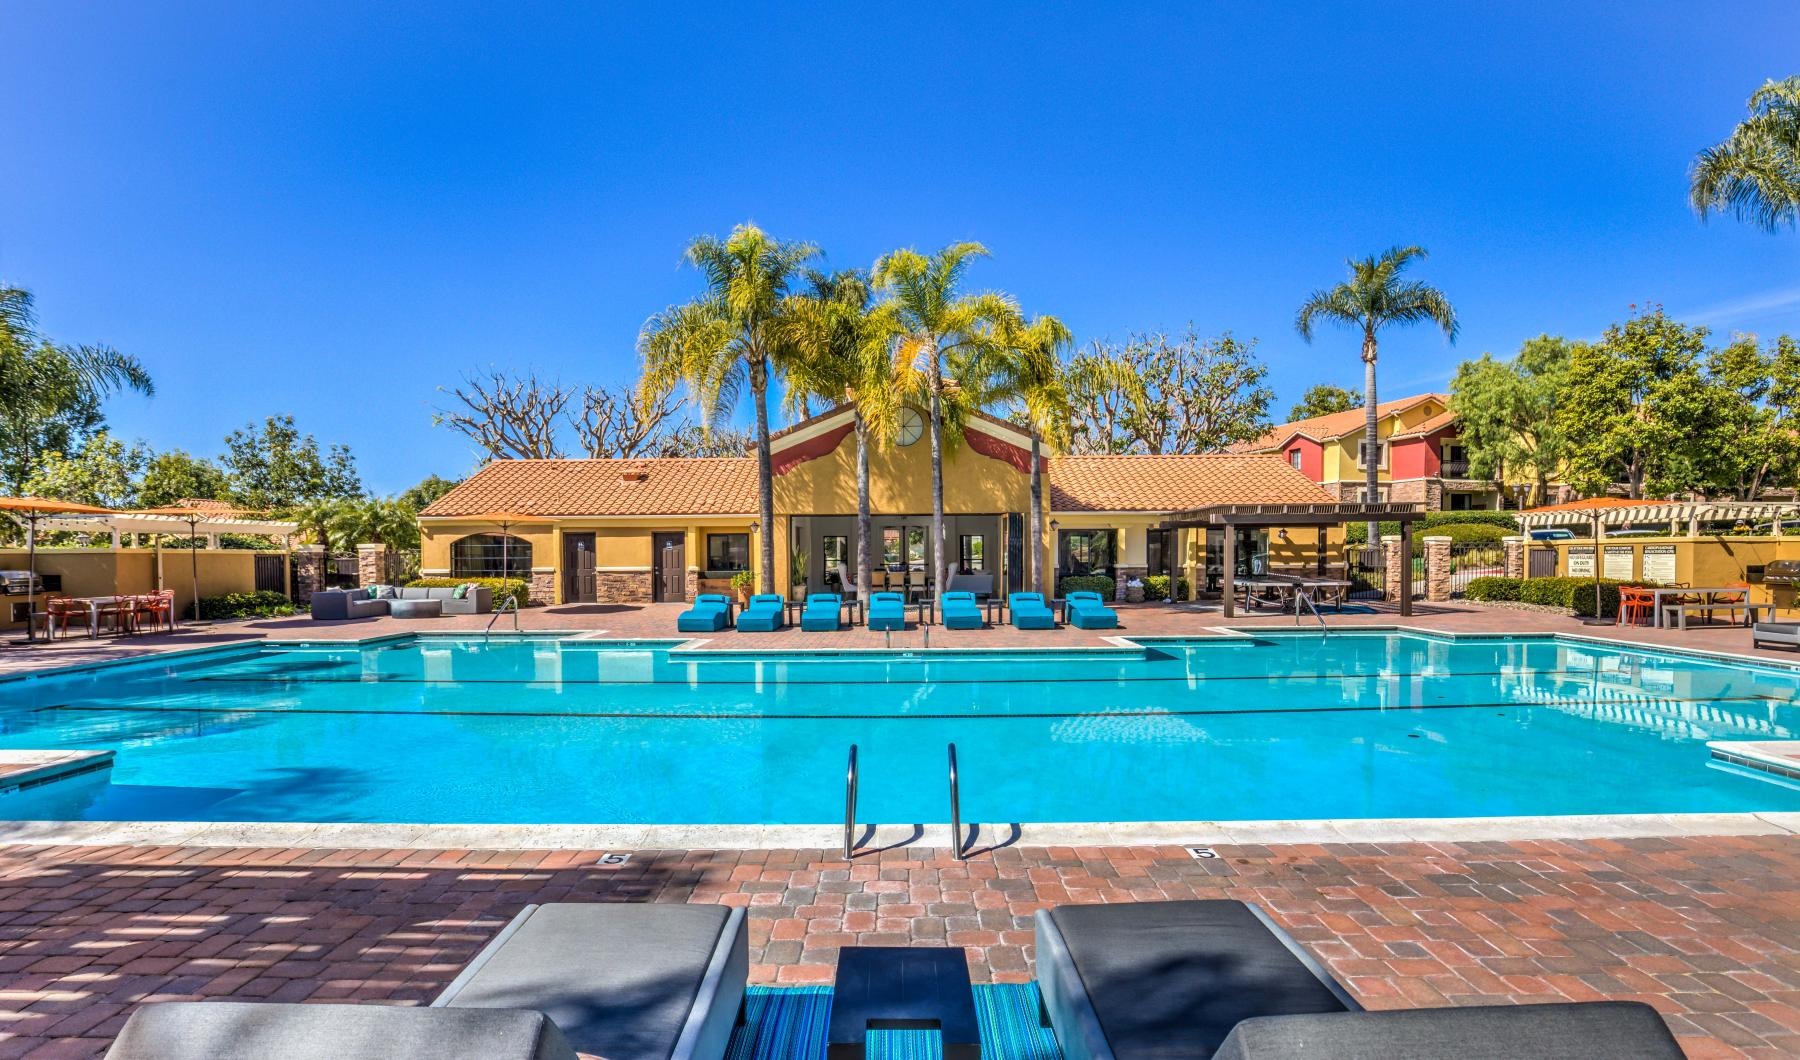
(1783, 633)
(615, 980)
(1162, 980)
(357, 603)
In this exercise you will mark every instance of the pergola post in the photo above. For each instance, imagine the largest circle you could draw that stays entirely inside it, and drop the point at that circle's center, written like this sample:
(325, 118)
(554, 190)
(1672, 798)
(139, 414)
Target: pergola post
(1228, 581)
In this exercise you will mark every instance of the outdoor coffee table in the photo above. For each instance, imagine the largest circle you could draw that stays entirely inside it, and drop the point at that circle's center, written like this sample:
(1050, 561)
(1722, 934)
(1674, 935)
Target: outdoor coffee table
(903, 988)
(415, 608)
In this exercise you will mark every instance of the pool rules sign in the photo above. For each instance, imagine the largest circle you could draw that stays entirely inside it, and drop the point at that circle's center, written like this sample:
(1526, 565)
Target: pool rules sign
(1581, 561)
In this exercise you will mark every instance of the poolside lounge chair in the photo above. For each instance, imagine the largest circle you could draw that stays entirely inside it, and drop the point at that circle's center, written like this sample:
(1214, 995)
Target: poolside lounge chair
(766, 613)
(1179, 979)
(1027, 611)
(1086, 610)
(711, 612)
(960, 611)
(1786, 634)
(824, 613)
(887, 611)
(614, 979)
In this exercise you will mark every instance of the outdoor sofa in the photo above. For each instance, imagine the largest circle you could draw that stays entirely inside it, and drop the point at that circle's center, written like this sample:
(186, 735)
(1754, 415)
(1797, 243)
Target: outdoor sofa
(766, 613)
(624, 981)
(1027, 611)
(359, 603)
(1217, 978)
(1085, 609)
(711, 613)
(1786, 634)
(960, 611)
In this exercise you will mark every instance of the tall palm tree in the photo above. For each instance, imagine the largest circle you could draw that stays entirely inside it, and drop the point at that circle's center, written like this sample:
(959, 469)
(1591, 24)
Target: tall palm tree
(1755, 173)
(934, 330)
(731, 336)
(1374, 297)
(843, 360)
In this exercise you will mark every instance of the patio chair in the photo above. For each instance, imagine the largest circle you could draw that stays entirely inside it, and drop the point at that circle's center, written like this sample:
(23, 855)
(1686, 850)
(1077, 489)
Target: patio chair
(609, 979)
(710, 613)
(824, 613)
(1636, 607)
(1085, 609)
(960, 611)
(766, 613)
(59, 611)
(1027, 611)
(887, 611)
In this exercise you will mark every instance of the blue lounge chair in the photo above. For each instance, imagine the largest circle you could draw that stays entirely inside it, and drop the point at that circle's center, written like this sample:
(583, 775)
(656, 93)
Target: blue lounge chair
(1027, 611)
(1086, 610)
(824, 613)
(887, 611)
(710, 614)
(766, 614)
(961, 611)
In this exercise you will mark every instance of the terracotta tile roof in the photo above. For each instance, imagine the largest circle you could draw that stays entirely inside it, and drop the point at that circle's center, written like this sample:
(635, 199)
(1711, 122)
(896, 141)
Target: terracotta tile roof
(1433, 425)
(1174, 483)
(669, 486)
(1336, 425)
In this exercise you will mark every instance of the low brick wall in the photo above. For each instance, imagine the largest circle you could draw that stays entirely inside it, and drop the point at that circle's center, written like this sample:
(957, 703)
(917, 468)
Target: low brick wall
(623, 587)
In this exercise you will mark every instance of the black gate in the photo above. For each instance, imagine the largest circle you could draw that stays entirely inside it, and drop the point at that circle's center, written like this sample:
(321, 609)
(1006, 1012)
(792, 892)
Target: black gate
(1540, 562)
(1474, 559)
(271, 573)
(1367, 571)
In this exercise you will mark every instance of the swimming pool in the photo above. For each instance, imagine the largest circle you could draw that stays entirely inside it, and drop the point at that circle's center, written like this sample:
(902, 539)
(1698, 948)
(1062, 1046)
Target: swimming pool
(558, 730)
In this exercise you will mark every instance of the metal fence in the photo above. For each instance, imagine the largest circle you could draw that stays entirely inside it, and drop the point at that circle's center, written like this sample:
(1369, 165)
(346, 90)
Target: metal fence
(1366, 568)
(1474, 559)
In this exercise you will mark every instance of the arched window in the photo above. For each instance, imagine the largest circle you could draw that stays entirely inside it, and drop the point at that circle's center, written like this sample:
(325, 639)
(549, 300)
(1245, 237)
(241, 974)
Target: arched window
(490, 556)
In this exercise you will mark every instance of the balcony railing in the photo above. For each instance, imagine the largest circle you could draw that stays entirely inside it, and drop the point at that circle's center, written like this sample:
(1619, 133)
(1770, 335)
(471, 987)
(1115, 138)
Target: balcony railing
(1455, 469)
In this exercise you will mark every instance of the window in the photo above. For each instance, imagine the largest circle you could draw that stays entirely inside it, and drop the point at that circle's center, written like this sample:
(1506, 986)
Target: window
(1294, 458)
(1462, 502)
(835, 548)
(1086, 551)
(891, 557)
(1362, 494)
(727, 552)
(490, 556)
(1159, 552)
(971, 553)
(1362, 453)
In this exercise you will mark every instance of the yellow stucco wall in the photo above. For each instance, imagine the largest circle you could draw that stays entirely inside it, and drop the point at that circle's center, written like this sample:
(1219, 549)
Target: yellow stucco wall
(1703, 561)
(129, 571)
(900, 482)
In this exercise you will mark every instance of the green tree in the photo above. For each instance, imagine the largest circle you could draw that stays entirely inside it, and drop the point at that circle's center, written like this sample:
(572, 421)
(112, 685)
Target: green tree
(1324, 399)
(275, 467)
(935, 331)
(1376, 296)
(1635, 408)
(1755, 400)
(1506, 413)
(51, 394)
(1755, 173)
(386, 521)
(427, 491)
(175, 476)
(104, 471)
(730, 337)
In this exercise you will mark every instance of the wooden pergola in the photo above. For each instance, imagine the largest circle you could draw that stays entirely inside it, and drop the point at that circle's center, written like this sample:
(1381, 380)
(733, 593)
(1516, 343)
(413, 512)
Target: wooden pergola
(1233, 517)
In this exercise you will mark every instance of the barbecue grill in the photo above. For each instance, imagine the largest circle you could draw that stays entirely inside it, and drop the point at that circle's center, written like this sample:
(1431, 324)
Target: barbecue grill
(15, 582)
(1782, 572)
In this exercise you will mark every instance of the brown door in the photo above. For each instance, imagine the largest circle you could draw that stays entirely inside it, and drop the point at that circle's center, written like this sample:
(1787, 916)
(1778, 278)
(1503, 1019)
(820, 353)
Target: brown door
(578, 569)
(668, 567)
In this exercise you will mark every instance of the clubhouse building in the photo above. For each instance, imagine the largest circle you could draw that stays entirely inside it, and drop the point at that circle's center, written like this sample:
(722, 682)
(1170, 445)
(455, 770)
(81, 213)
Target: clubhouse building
(663, 529)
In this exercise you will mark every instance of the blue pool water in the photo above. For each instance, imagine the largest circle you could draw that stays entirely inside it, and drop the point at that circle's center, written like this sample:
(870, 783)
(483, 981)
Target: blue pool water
(587, 731)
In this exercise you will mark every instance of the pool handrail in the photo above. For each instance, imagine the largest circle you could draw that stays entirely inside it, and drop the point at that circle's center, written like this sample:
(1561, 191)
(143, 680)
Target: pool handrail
(956, 834)
(509, 600)
(850, 807)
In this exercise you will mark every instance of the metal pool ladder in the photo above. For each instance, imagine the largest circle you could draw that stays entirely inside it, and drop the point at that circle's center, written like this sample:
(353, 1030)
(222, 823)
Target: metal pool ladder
(1302, 596)
(511, 602)
(956, 833)
(850, 807)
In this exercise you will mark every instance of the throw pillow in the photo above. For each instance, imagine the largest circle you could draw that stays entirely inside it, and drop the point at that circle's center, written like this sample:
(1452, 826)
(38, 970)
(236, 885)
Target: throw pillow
(374, 592)
(461, 592)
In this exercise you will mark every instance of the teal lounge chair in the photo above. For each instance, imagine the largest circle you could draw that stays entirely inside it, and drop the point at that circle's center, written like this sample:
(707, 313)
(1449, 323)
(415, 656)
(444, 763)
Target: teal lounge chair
(1027, 611)
(824, 613)
(961, 611)
(887, 611)
(1086, 610)
(766, 614)
(710, 614)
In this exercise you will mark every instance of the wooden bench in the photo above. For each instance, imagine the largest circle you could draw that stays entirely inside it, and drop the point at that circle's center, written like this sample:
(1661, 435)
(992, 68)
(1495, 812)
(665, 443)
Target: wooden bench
(1751, 611)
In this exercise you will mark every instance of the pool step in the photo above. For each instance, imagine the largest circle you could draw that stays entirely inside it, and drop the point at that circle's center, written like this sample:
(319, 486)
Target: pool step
(23, 770)
(1780, 757)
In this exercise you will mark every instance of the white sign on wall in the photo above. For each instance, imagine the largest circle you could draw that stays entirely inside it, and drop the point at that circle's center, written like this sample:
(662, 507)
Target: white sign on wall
(1617, 564)
(1581, 561)
(1659, 564)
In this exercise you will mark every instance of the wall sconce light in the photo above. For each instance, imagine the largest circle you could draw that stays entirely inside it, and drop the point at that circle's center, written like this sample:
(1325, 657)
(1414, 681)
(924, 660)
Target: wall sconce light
(1054, 524)
(1282, 534)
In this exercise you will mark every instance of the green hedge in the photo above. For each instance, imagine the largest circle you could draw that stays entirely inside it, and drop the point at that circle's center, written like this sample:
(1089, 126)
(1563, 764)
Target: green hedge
(1091, 583)
(501, 587)
(1469, 533)
(1357, 533)
(263, 604)
(1576, 594)
(1156, 587)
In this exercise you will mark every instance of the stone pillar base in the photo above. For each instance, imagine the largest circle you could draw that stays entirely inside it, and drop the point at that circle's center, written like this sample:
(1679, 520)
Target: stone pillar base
(309, 572)
(691, 585)
(624, 587)
(371, 565)
(1121, 575)
(1437, 568)
(1397, 579)
(540, 588)
(1514, 562)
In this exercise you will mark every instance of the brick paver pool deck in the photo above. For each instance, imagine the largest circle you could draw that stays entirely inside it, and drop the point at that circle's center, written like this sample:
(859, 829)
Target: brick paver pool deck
(1706, 928)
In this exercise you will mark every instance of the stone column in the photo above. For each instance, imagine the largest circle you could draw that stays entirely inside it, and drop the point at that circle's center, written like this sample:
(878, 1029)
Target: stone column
(1437, 569)
(309, 572)
(1394, 573)
(1514, 548)
(371, 564)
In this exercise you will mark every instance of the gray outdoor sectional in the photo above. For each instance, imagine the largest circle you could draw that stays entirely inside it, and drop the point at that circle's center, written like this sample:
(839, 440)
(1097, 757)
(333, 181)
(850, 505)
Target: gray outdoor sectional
(1786, 634)
(357, 603)
(623, 981)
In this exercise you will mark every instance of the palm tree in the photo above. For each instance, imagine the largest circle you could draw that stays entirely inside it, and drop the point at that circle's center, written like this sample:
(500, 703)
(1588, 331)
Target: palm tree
(1755, 173)
(934, 331)
(731, 336)
(1372, 298)
(843, 360)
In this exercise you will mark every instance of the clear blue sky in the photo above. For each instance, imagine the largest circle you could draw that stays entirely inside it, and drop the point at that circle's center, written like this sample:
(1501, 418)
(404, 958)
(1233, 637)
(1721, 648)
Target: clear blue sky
(329, 210)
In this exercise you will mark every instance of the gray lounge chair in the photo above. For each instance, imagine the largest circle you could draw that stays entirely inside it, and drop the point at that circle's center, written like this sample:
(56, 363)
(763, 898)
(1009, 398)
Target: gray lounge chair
(1167, 980)
(1783, 633)
(616, 980)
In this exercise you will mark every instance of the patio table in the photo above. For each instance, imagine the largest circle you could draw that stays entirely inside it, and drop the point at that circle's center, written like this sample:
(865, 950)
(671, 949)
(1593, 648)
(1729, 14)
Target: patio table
(1283, 587)
(93, 605)
(1658, 620)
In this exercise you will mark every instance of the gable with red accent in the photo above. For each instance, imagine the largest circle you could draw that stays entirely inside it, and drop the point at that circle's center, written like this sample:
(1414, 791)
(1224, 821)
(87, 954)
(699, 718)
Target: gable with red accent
(1312, 457)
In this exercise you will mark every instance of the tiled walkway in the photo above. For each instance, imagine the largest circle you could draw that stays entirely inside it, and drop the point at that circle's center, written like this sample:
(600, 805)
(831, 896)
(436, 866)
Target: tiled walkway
(1705, 929)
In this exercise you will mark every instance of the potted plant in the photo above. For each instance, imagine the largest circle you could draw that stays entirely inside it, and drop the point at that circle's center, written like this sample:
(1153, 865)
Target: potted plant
(740, 586)
(1134, 591)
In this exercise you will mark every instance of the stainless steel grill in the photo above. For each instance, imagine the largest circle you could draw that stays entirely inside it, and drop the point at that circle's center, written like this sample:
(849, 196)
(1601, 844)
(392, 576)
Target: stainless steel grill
(14, 582)
(1782, 572)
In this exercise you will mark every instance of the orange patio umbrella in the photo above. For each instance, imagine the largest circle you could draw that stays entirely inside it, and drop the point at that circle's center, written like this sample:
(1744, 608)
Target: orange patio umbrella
(33, 509)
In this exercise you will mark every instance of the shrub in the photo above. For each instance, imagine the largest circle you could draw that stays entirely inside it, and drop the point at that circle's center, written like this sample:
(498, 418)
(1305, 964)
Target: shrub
(1090, 583)
(501, 587)
(1494, 588)
(265, 603)
(1357, 533)
(1156, 587)
(1575, 594)
(1470, 533)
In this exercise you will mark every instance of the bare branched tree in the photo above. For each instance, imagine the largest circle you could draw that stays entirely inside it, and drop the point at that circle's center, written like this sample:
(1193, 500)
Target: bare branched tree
(509, 416)
(620, 422)
(1192, 394)
(691, 440)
